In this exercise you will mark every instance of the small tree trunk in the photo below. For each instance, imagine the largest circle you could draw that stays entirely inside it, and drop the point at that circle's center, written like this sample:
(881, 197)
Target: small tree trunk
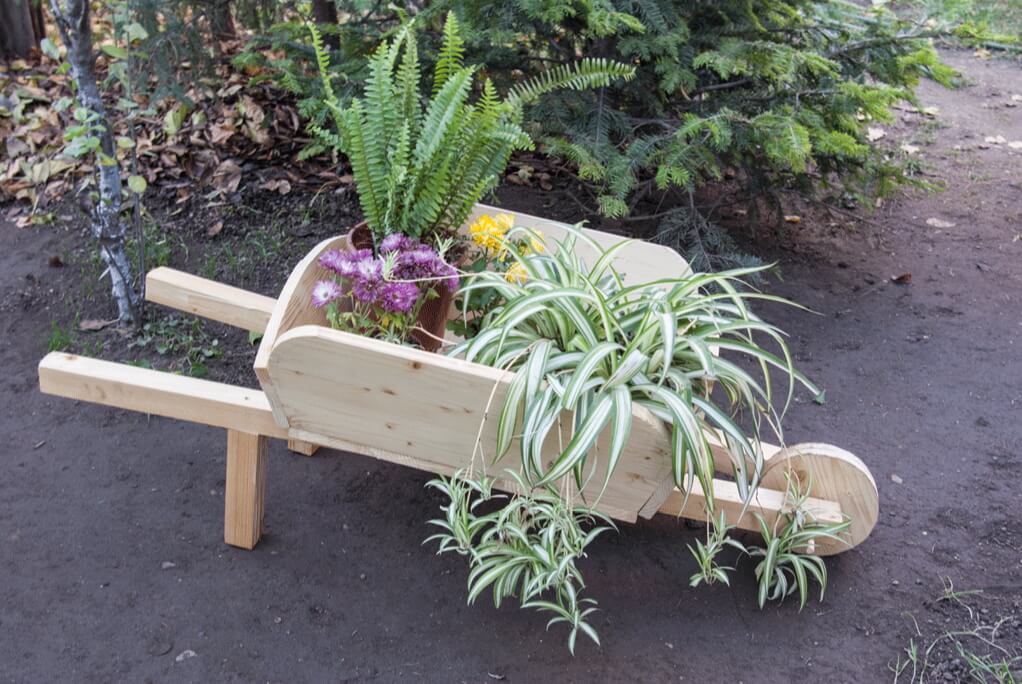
(72, 18)
(221, 20)
(38, 20)
(18, 34)
(325, 12)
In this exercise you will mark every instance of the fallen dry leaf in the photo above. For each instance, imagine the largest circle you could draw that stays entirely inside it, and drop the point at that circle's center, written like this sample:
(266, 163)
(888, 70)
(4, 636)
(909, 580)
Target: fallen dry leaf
(215, 229)
(279, 185)
(874, 134)
(1015, 144)
(227, 177)
(995, 139)
(903, 279)
(939, 223)
(909, 149)
(792, 218)
(896, 479)
(94, 324)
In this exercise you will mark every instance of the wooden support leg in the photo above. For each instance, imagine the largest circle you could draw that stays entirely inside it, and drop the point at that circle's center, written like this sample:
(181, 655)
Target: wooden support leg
(246, 488)
(300, 447)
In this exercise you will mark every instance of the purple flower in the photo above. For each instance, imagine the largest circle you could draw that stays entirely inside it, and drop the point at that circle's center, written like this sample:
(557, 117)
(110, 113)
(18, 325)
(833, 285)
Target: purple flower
(398, 297)
(336, 261)
(365, 291)
(369, 270)
(324, 292)
(395, 242)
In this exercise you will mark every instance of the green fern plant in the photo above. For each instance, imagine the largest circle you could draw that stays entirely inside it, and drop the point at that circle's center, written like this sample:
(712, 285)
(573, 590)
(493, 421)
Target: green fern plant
(420, 166)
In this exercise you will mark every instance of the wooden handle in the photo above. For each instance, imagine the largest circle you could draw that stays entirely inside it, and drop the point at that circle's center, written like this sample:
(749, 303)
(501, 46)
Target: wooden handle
(209, 299)
(151, 391)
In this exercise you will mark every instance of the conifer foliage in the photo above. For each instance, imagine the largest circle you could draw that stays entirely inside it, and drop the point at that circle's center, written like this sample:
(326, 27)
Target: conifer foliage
(779, 91)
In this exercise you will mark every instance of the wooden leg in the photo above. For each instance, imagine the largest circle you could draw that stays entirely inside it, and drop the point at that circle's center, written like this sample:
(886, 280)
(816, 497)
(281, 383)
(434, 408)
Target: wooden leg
(300, 447)
(246, 488)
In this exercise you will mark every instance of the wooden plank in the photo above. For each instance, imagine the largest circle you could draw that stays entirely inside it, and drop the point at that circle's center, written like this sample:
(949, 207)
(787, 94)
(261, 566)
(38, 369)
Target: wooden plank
(209, 299)
(302, 447)
(245, 490)
(151, 391)
(426, 410)
(768, 503)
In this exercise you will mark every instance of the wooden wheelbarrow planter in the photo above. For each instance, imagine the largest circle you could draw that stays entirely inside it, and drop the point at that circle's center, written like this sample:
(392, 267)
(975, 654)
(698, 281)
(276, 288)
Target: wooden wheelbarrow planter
(324, 387)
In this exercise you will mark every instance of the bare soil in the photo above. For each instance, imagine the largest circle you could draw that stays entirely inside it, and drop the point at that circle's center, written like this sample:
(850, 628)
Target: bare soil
(112, 566)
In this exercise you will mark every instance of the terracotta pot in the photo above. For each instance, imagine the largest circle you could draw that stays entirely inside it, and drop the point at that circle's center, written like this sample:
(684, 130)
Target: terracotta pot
(434, 312)
(359, 237)
(433, 319)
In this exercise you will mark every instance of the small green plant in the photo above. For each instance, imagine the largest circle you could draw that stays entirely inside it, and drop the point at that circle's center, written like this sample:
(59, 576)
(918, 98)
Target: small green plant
(60, 338)
(977, 652)
(419, 168)
(717, 540)
(952, 595)
(183, 339)
(526, 549)
(787, 560)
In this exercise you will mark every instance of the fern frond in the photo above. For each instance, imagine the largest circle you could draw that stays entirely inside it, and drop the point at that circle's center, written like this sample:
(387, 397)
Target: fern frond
(451, 55)
(581, 75)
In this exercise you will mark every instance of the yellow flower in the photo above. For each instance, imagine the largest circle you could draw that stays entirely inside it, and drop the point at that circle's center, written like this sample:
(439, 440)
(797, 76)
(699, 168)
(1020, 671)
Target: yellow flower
(516, 273)
(489, 231)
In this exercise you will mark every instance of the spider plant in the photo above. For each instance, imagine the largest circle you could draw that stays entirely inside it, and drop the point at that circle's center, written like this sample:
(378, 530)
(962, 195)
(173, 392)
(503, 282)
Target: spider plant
(583, 341)
(710, 572)
(787, 562)
(526, 549)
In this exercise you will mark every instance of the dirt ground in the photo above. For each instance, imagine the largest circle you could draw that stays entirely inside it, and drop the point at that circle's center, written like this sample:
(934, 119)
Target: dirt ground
(112, 566)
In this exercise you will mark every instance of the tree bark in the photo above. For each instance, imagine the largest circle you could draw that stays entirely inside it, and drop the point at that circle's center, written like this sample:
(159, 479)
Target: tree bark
(72, 19)
(38, 20)
(325, 12)
(221, 21)
(18, 32)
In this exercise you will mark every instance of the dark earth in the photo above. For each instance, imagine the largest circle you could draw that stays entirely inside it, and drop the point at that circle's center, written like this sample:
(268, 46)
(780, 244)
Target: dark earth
(112, 566)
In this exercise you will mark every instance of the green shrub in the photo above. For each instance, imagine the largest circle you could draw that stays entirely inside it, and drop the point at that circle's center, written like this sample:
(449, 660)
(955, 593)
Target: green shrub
(780, 91)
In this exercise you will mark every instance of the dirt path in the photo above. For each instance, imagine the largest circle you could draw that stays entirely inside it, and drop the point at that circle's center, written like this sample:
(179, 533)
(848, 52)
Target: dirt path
(111, 565)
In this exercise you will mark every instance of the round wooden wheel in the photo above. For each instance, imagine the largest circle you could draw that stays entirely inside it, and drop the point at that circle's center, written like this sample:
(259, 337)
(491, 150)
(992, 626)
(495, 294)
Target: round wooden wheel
(835, 475)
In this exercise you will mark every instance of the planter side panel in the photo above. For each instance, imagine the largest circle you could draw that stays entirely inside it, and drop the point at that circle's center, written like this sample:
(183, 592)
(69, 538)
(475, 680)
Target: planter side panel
(294, 307)
(639, 262)
(427, 410)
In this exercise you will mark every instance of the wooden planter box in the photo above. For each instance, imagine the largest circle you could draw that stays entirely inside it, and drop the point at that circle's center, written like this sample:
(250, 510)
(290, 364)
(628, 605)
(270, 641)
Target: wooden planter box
(326, 387)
